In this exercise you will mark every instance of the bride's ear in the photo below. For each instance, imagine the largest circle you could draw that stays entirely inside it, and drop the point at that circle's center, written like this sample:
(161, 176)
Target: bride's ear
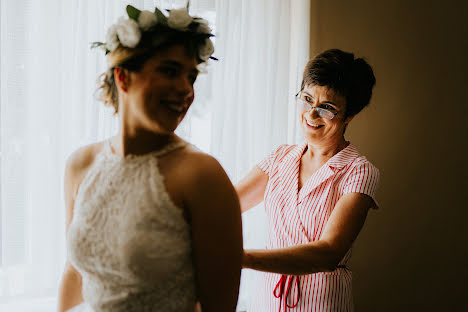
(121, 78)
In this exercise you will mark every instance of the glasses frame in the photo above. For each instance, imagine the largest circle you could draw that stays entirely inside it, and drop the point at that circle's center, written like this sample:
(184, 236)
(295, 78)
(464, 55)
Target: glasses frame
(322, 112)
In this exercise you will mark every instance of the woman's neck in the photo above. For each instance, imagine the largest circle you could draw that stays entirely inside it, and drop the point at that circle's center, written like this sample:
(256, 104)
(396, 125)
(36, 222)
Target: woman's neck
(133, 138)
(322, 151)
(139, 141)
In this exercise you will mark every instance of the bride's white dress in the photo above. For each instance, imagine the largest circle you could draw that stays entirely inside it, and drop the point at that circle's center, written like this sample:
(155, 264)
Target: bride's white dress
(128, 239)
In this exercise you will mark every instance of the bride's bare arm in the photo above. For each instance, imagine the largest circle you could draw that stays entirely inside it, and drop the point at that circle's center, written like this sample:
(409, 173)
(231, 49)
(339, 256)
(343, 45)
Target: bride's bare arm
(77, 166)
(216, 234)
(70, 289)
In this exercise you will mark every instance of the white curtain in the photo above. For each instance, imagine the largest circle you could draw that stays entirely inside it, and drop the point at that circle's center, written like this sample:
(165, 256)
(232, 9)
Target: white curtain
(263, 47)
(48, 108)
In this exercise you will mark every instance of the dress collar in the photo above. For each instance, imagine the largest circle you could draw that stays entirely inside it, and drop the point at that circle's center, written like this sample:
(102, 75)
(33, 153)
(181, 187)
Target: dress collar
(337, 161)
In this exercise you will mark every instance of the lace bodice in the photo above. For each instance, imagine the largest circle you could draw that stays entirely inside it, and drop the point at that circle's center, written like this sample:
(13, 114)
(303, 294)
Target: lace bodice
(128, 239)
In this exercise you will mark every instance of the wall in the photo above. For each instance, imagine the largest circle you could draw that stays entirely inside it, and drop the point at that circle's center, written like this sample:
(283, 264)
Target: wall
(411, 254)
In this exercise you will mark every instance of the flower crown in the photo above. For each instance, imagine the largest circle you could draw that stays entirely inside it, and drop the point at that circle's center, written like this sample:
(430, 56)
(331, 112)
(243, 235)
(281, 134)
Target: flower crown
(128, 32)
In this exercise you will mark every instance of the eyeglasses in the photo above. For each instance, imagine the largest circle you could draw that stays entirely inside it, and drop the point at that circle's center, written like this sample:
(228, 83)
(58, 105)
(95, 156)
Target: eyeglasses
(306, 106)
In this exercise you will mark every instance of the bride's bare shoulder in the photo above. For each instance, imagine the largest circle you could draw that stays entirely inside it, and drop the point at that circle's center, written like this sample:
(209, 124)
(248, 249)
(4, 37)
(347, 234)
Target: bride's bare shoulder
(84, 156)
(78, 164)
(195, 156)
(80, 161)
(199, 164)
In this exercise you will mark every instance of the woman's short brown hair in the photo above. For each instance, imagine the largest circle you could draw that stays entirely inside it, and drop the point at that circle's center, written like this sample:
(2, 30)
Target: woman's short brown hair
(348, 76)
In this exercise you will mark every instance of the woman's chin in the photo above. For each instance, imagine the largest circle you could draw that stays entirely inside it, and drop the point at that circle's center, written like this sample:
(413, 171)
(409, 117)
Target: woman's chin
(164, 124)
(167, 129)
(161, 127)
(172, 121)
(311, 134)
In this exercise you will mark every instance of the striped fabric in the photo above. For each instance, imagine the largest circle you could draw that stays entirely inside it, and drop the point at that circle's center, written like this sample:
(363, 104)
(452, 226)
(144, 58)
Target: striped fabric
(299, 217)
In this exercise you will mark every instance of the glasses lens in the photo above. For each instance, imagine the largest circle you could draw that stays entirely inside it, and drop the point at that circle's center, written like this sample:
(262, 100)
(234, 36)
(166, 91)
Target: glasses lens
(324, 113)
(303, 105)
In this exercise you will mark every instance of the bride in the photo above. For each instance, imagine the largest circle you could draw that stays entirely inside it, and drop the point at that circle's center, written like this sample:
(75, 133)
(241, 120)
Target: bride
(153, 224)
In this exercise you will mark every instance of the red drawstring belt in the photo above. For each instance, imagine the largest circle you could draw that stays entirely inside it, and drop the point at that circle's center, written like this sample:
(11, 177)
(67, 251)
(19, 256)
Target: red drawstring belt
(281, 285)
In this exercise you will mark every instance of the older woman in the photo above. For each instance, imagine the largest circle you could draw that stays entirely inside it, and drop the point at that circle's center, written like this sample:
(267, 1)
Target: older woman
(152, 222)
(317, 194)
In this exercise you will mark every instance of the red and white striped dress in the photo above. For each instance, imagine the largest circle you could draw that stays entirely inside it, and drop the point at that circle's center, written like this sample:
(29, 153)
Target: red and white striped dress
(299, 217)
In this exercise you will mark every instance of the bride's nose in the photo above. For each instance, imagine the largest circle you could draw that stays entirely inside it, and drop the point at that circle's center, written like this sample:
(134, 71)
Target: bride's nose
(184, 86)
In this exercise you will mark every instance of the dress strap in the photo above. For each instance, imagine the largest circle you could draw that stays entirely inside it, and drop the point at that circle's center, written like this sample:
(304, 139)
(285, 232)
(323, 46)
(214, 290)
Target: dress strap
(107, 150)
(169, 148)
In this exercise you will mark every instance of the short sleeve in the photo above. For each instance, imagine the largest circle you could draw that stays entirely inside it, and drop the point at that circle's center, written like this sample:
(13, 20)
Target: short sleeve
(364, 179)
(267, 163)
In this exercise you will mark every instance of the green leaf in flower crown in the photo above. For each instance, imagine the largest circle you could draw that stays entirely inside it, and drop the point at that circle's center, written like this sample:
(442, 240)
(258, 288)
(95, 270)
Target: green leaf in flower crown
(133, 12)
(161, 18)
(96, 44)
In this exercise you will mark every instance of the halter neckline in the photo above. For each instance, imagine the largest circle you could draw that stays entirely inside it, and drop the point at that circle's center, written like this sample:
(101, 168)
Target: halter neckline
(156, 153)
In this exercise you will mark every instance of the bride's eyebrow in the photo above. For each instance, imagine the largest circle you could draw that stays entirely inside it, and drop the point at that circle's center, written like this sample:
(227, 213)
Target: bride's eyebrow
(179, 65)
(171, 63)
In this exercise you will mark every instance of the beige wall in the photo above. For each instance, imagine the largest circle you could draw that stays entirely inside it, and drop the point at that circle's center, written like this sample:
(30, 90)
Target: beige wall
(412, 253)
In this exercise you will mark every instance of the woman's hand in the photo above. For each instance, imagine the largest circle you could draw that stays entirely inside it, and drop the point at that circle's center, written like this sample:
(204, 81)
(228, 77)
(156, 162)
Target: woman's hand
(324, 255)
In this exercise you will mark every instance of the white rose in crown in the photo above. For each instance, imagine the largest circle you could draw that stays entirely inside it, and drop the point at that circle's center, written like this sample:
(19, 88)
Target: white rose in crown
(179, 19)
(128, 32)
(146, 20)
(112, 41)
(203, 27)
(206, 50)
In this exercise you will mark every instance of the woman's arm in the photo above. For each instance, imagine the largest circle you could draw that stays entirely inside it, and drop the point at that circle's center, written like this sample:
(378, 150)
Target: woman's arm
(70, 289)
(216, 234)
(341, 230)
(77, 166)
(252, 188)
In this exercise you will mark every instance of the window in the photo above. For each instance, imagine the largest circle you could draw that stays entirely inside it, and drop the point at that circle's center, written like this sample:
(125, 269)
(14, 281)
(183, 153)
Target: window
(47, 109)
